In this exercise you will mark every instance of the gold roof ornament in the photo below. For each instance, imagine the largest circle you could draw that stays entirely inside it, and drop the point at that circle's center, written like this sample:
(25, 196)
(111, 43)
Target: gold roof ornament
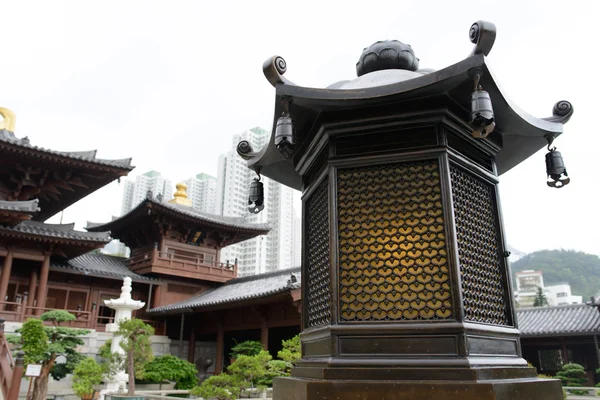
(9, 120)
(180, 196)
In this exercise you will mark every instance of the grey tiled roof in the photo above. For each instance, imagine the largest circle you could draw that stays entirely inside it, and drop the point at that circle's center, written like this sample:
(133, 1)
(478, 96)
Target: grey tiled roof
(240, 289)
(58, 231)
(577, 319)
(212, 219)
(89, 156)
(29, 206)
(101, 265)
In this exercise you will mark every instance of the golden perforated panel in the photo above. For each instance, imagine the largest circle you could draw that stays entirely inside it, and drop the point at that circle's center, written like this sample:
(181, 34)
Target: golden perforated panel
(392, 246)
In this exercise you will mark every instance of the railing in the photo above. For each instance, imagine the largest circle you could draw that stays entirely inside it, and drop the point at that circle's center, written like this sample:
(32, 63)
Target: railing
(10, 372)
(83, 319)
(6, 362)
(183, 263)
(17, 312)
(12, 310)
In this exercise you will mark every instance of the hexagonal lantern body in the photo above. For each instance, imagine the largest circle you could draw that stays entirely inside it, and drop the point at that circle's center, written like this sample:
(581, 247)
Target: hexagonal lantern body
(405, 285)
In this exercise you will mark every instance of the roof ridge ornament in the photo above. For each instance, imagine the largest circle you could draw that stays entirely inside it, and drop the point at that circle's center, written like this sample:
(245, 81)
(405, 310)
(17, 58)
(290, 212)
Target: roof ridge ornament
(10, 119)
(244, 150)
(483, 34)
(561, 112)
(274, 68)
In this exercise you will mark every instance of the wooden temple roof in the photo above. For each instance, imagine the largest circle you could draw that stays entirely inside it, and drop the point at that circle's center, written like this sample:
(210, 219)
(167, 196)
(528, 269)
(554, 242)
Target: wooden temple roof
(53, 233)
(150, 208)
(99, 265)
(57, 178)
(238, 290)
(571, 320)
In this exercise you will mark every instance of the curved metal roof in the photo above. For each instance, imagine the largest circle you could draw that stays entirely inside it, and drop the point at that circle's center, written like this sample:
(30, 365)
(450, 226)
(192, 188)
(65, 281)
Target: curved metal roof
(519, 133)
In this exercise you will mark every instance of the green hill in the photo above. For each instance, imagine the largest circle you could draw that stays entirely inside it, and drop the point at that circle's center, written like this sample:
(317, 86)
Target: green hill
(580, 269)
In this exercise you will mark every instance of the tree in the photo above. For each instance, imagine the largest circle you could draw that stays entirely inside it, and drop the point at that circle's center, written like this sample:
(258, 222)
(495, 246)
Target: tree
(273, 369)
(221, 387)
(113, 363)
(540, 298)
(572, 375)
(136, 343)
(86, 375)
(44, 344)
(247, 348)
(171, 368)
(291, 350)
(247, 369)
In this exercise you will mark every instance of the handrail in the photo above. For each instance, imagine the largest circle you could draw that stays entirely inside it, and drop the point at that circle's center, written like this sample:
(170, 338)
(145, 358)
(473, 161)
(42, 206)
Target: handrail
(148, 256)
(6, 363)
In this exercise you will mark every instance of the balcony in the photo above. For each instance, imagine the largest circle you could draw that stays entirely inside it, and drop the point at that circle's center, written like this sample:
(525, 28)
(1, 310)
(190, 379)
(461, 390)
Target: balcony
(158, 262)
(18, 312)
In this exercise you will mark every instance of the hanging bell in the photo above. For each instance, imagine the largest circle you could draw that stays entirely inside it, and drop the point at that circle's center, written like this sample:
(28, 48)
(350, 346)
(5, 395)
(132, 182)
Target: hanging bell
(482, 114)
(555, 169)
(284, 135)
(256, 199)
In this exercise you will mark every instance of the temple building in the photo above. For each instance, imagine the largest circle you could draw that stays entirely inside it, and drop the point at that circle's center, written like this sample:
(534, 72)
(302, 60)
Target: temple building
(175, 248)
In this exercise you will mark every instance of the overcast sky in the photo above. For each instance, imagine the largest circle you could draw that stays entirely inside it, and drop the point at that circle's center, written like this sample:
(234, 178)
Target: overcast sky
(168, 83)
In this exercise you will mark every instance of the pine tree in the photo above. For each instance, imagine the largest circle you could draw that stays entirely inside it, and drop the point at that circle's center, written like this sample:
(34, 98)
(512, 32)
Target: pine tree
(540, 298)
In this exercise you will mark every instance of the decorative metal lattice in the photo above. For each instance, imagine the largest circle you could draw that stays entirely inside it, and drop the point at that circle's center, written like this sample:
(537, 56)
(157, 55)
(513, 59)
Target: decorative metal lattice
(479, 249)
(393, 262)
(317, 241)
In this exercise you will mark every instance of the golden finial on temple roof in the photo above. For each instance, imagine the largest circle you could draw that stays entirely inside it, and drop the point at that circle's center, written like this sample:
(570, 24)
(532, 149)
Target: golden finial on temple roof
(180, 196)
(9, 120)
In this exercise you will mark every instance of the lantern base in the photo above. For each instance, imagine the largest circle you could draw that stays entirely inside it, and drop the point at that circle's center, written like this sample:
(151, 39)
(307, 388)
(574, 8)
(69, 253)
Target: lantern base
(513, 389)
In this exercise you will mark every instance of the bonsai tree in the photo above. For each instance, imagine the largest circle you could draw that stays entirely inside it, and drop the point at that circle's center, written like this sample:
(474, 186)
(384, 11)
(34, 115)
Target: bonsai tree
(86, 374)
(171, 368)
(247, 348)
(44, 344)
(113, 363)
(247, 369)
(274, 369)
(291, 350)
(572, 375)
(136, 343)
(220, 387)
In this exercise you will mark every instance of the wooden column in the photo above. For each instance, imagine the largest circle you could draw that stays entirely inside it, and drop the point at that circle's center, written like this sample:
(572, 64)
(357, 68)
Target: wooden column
(192, 346)
(220, 349)
(32, 285)
(564, 352)
(157, 296)
(5, 276)
(264, 335)
(43, 286)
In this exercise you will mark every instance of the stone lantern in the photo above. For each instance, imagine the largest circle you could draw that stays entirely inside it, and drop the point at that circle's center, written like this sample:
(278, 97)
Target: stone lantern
(406, 290)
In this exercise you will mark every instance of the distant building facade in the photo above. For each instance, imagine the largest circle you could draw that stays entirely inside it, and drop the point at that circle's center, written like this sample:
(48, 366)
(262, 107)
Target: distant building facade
(529, 281)
(297, 240)
(202, 190)
(135, 192)
(266, 253)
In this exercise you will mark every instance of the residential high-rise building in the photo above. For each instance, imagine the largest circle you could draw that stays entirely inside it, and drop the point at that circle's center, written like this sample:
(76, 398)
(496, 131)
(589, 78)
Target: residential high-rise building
(266, 253)
(201, 189)
(135, 192)
(297, 239)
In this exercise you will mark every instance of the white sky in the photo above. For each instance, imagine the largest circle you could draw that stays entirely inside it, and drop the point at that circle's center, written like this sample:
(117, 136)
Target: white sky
(168, 83)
